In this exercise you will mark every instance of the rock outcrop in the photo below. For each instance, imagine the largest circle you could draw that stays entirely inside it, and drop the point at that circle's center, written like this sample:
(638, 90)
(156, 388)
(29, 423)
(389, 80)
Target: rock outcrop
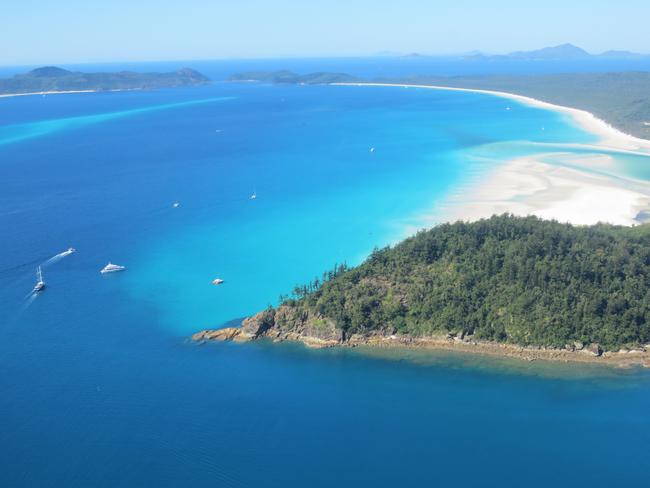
(281, 324)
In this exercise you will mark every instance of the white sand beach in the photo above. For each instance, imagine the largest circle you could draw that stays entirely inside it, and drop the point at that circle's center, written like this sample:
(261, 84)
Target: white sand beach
(527, 186)
(7, 95)
(531, 186)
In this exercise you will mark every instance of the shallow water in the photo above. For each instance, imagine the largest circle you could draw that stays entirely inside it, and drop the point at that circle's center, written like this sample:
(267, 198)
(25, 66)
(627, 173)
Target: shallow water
(100, 386)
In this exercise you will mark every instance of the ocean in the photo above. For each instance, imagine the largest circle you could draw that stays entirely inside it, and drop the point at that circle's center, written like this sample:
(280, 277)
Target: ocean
(100, 385)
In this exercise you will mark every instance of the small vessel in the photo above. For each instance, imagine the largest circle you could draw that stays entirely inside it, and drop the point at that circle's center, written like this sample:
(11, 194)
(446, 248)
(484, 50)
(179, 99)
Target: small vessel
(217, 281)
(40, 284)
(111, 268)
(372, 149)
(507, 108)
(68, 251)
(176, 204)
(253, 196)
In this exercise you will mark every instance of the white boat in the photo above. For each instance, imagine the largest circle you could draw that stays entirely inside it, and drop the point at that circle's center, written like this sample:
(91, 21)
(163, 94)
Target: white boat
(69, 251)
(217, 281)
(176, 205)
(253, 196)
(372, 149)
(40, 284)
(112, 268)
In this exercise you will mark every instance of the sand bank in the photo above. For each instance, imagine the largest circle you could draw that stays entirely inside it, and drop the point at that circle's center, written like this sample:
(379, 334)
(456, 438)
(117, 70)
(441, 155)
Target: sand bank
(531, 186)
(528, 186)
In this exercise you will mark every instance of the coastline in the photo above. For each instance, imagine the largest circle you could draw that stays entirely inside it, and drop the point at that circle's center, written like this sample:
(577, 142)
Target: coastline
(576, 191)
(64, 92)
(531, 186)
(611, 137)
(7, 95)
(574, 354)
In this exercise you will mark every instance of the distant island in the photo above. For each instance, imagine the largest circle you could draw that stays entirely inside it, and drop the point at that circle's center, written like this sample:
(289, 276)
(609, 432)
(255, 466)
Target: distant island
(291, 78)
(562, 52)
(622, 99)
(514, 286)
(50, 79)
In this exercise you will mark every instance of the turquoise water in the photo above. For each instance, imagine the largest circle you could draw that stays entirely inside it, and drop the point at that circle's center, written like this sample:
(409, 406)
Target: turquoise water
(100, 386)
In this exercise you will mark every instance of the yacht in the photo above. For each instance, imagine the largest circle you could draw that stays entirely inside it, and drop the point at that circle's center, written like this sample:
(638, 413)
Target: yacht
(217, 281)
(40, 284)
(69, 251)
(111, 268)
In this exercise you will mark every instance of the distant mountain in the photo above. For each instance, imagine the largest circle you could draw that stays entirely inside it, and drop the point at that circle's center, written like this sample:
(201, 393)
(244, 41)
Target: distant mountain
(621, 55)
(54, 79)
(49, 71)
(563, 52)
(415, 55)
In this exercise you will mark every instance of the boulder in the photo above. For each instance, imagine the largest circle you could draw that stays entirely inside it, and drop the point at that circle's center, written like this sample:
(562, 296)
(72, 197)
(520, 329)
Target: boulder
(594, 349)
(227, 334)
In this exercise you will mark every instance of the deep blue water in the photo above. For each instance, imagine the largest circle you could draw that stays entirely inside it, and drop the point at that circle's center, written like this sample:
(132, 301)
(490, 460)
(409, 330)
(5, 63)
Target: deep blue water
(99, 385)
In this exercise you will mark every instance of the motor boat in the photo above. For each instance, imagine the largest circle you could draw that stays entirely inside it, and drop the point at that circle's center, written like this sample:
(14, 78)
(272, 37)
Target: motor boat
(112, 268)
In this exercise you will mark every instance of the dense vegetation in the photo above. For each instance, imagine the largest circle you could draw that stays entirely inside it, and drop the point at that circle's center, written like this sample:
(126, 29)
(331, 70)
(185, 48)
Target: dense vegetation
(510, 279)
(51, 78)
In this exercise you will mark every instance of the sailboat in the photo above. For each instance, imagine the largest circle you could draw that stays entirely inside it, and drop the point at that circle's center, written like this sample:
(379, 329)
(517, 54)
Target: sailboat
(40, 284)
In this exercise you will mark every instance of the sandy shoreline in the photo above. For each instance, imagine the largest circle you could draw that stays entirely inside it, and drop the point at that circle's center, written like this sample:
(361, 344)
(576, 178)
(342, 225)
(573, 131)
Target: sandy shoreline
(7, 95)
(529, 185)
(609, 135)
(64, 92)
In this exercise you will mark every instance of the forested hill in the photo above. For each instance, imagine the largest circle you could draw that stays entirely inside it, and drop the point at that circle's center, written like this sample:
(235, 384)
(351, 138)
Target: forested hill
(53, 79)
(507, 279)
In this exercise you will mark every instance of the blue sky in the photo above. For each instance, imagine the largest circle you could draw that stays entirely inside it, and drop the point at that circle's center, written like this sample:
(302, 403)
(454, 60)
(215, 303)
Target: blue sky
(70, 31)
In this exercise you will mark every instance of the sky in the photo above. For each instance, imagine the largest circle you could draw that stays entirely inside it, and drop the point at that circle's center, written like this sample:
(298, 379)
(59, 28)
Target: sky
(78, 31)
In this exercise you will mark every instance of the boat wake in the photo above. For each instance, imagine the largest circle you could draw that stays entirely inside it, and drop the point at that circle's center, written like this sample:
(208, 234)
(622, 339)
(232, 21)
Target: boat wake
(28, 300)
(58, 257)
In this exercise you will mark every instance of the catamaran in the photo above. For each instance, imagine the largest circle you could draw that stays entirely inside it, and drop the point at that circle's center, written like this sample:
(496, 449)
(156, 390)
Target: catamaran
(40, 284)
(111, 268)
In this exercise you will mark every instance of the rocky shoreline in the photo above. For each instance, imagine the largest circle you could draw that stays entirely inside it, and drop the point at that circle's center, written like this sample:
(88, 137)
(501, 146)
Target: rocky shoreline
(284, 324)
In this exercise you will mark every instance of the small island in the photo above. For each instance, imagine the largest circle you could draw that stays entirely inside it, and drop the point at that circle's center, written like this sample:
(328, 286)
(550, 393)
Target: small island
(509, 286)
(50, 79)
(290, 78)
